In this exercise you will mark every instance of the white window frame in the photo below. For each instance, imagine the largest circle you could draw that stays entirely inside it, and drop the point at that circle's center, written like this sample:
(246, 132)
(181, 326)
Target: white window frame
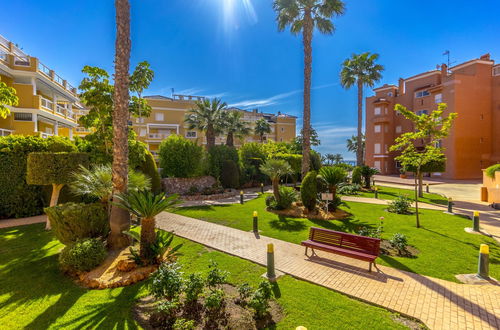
(377, 111)
(159, 115)
(143, 132)
(438, 98)
(191, 137)
(399, 129)
(377, 165)
(377, 128)
(420, 94)
(377, 148)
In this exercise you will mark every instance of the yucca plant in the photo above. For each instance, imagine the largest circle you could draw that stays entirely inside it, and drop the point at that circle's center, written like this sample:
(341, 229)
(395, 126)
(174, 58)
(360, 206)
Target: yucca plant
(146, 205)
(332, 176)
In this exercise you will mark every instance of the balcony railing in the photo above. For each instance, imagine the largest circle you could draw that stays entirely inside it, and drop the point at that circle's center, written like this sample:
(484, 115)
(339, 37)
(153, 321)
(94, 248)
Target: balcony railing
(46, 103)
(22, 60)
(45, 135)
(4, 56)
(58, 79)
(43, 69)
(158, 136)
(5, 132)
(60, 109)
(4, 42)
(82, 130)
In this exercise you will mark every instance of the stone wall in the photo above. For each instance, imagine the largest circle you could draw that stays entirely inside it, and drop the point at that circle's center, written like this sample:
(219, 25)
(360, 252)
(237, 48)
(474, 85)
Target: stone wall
(181, 185)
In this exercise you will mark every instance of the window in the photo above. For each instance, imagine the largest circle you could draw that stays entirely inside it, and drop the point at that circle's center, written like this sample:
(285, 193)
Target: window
(399, 129)
(386, 148)
(159, 116)
(377, 148)
(139, 120)
(282, 129)
(377, 111)
(496, 71)
(438, 98)
(389, 94)
(377, 128)
(143, 132)
(422, 94)
(422, 112)
(22, 116)
(191, 134)
(398, 164)
(377, 165)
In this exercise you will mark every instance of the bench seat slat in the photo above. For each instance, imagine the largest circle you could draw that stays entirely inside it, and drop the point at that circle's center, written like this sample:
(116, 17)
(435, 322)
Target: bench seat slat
(338, 250)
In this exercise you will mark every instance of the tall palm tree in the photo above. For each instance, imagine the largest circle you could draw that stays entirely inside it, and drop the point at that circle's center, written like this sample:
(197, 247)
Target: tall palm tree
(360, 70)
(119, 218)
(234, 126)
(353, 145)
(206, 116)
(303, 16)
(262, 127)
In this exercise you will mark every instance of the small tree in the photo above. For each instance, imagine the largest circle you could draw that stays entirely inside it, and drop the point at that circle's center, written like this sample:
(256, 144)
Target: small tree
(262, 127)
(54, 168)
(275, 169)
(179, 157)
(422, 146)
(7, 97)
(367, 172)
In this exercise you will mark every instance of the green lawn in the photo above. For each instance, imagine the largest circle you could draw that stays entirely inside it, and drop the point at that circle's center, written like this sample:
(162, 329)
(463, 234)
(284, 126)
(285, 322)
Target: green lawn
(445, 248)
(391, 193)
(35, 295)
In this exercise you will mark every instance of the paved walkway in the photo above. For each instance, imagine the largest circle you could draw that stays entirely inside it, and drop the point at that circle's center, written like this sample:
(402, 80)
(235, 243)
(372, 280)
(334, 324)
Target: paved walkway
(439, 304)
(7, 223)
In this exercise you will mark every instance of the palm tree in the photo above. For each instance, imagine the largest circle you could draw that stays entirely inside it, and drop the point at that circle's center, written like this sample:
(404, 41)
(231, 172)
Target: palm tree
(352, 144)
(234, 126)
(7, 97)
(332, 176)
(146, 205)
(360, 70)
(262, 127)
(303, 16)
(120, 219)
(275, 169)
(206, 116)
(337, 159)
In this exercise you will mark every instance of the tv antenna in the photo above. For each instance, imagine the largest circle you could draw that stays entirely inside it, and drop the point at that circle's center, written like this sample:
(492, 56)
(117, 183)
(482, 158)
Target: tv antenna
(447, 54)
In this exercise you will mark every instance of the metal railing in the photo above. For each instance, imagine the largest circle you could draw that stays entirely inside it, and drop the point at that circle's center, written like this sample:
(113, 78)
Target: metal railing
(158, 136)
(45, 135)
(4, 56)
(5, 132)
(44, 69)
(46, 103)
(22, 60)
(58, 79)
(60, 109)
(4, 42)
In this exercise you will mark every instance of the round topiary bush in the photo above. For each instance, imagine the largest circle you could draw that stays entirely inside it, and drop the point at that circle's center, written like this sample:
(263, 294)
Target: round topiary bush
(75, 221)
(230, 174)
(308, 190)
(180, 157)
(83, 256)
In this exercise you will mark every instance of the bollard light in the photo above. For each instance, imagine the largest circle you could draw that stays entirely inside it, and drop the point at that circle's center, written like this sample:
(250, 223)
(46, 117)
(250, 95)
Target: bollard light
(262, 188)
(475, 221)
(241, 197)
(255, 222)
(450, 205)
(376, 192)
(484, 261)
(300, 327)
(427, 188)
(271, 273)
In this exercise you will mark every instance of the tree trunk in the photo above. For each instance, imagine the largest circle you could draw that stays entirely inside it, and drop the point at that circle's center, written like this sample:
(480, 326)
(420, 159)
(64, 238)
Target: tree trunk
(276, 189)
(420, 184)
(210, 137)
(416, 199)
(148, 237)
(306, 127)
(120, 218)
(359, 152)
(56, 190)
(230, 139)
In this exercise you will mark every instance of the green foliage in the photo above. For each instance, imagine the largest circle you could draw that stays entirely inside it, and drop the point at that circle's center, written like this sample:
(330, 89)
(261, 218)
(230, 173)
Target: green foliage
(309, 191)
(216, 157)
(215, 277)
(437, 165)
(296, 145)
(46, 168)
(146, 204)
(244, 291)
(193, 287)
(169, 307)
(183, 324)
(207, 116)
(332, 176)
(262, 127)
(252, 156)
(399, 242)
(288, 195)
(490, 171)
(160, 249)
(230, 176)
(7, 97)
(214, 300)
(83, 255)
(400, 205)
(148, 167)
(367, 172)
(234, 126)
(17, 198)
(75, 221)
(315, 159)
(180, 157)
(167, 281)
(294, 160)
(348, 189)
(260, 299)
(356, 175)
(275, 168)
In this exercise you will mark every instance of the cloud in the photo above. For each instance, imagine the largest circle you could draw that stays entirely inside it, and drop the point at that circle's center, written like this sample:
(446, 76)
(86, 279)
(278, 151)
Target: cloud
(333, 139)
(265, 102)
(189, 91)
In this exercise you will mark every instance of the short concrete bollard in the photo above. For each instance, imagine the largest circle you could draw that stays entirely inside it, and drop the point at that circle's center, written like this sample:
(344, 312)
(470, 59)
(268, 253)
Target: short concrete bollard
(475, 221)
(271, 273)
(427, 188)
(241, 197)
(261, 188)
(376, 192)
(483, 267)
(255, 222)
(450, 205)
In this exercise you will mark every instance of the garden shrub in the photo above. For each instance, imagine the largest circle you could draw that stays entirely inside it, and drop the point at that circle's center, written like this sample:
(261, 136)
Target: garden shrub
(400, 205)
(180, 157)
(193, 287)
(288, 195)
(17, 198)
(84, 255)
(367, 172)
(490, 171)
(399, 242)
(244, 292)
(75, 221)
(183, 324)
(230, 175)
(167, 281)
(251, 156)
(348, 189)
(214, 300)
(356, 175)
(308, 190)
(215, 277)
(149, 168)
(260, 299)
(46, 168)
(169, 307)
(315, 159)
(271, 202)
(217, 156)
(294, 160)
(346, 167)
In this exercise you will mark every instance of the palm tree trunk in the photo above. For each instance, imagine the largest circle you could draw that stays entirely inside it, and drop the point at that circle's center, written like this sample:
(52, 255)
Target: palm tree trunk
(210, 137)
(306, 135)
(120, 218)
(148, 236)
(359, 151)
(230, 139)
(276, 189)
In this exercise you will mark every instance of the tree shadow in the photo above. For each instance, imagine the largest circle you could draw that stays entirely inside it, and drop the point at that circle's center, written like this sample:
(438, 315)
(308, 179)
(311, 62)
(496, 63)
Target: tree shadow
(287, 224)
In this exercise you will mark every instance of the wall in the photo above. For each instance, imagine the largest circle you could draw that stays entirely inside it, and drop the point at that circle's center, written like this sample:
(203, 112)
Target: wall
(182, 185)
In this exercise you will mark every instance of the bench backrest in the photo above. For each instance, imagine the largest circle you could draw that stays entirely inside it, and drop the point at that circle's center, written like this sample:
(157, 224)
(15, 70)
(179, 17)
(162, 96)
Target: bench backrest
(368, 245)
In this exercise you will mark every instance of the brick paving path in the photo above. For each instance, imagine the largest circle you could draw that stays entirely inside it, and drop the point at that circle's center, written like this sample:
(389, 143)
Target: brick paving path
(7, 223)
(438, 303)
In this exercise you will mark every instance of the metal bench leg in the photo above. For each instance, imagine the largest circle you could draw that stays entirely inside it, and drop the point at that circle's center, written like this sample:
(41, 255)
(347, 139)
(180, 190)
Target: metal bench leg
(306, 251)
(370, 269)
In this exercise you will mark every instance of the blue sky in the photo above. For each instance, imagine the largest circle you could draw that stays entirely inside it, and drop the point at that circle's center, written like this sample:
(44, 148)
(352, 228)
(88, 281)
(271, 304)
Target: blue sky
(232, 49)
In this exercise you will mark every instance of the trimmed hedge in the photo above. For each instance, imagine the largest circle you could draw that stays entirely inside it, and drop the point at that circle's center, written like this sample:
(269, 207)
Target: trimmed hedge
(75, 221)
(17, 198)
(230, 176)
(149, 168)
(309, 190)
(46, 168)
(217, 155)
(490, 171)
(83, 256)
(431, 167)
(356, 175)
(180, 157)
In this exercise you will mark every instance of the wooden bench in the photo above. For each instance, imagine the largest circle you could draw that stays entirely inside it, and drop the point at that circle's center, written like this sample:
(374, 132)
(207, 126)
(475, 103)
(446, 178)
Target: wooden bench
(349, 245)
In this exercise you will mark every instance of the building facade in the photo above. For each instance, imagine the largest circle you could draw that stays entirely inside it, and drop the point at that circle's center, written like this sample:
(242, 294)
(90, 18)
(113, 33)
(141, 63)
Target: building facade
(471, 89)
(167, 118)
(47, 103)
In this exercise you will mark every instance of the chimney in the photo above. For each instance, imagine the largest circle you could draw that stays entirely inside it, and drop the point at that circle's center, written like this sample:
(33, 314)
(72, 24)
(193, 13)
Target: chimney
(485, 57)
(444, 71)
(401, 87)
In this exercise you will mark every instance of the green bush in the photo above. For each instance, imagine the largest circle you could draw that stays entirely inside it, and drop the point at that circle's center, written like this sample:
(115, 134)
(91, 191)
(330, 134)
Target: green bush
(490, 171)
(348, 189)
(309, 191)
(183, 324)
(72, 221)
(251, 156)
(83, 255)
(167, 281)
(216, 157)
(17, 198)
(430, 167)
(149, 168)
(367, 172)
(294, 160)
(288, 195)
(356, 175)
(399, 242)
(260, 299)
(46, 168)
(180, 157)
(400, 205)
(345, 166)
(230, 176)
(193, 287)
(315, 159)
(214, 300)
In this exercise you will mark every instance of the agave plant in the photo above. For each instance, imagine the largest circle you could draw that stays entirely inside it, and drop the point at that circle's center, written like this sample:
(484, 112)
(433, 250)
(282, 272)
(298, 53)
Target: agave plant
(146, 205)
(96, 182)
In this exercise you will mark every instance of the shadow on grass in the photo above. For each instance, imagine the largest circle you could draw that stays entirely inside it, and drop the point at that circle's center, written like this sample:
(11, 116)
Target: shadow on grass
(287, 224)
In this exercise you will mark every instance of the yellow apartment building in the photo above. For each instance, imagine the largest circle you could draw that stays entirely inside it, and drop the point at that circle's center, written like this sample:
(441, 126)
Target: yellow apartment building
(47, 103)
(168, 113)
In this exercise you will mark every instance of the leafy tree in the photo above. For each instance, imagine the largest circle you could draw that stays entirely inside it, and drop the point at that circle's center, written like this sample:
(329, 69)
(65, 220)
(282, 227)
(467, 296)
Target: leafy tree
(275, 169)
(8, 97)
(421, 147)
(234, 126)
(180, 157)
(360, 70)
(352, 144)
(298, 141)
(304, 16)
(262, 127)
(206, 116)
(140, 79)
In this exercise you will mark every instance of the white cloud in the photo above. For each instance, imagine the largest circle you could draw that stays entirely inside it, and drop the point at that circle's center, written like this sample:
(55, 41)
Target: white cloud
(264, 102)
(189, 91)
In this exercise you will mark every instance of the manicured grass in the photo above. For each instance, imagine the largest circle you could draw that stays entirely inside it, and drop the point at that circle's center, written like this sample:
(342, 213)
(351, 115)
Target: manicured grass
(391, 193)
(35, 295)
(445, 248)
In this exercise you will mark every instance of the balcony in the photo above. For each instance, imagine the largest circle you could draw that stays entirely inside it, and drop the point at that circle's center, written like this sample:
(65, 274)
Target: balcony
(158, 136)
(5, 132)
(381, 119)
(45, 135)
(46, 104)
